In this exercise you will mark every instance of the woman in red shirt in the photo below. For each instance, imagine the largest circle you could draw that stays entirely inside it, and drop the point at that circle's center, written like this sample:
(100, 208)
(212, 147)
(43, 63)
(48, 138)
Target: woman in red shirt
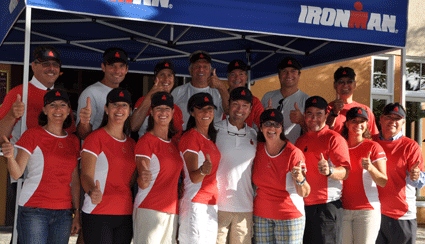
(107, 167)
(51, 188)
(279, 174)
(360, 198)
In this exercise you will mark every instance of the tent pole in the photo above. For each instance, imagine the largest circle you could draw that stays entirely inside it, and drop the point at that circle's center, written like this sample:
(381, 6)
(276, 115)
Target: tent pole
(248, 58)
(403, 82)
(403, 77)
(24, 100)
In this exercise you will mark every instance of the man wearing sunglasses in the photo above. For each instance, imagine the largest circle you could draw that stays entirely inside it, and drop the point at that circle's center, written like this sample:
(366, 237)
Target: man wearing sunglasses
(345, 84)
(46, 68)
(328, 162)
(237, 143)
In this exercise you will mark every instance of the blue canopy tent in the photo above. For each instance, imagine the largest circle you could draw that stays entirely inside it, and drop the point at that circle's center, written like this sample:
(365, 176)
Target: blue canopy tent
(259, 32)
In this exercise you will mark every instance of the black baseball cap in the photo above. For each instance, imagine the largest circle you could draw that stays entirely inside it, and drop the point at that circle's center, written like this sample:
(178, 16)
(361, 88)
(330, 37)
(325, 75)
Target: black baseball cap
(118, 95)
(164, 64)
(162, 98)
(289, 62)
(200, 100)
(55, 95)
(200, 54)
(395, 108)
(241, 93)
(316, 101)
(45, 52)
(344, 72)
(114, 54)
(237, 64)
(271, 114)
(356, 112)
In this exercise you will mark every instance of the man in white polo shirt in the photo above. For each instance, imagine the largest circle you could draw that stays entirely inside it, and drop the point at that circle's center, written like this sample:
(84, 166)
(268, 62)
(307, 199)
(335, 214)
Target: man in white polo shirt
(237, 143)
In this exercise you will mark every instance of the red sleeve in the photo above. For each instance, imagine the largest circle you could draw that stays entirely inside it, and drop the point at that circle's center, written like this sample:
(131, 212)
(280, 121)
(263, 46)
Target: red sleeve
(189, 142)
(338, 151)
(143, 147)
(415, 156)
(372, 124)
(377, 152)
(297, 157)
(139, 101)
(27, 140)
(257, 110)
(9, 100)
(93, 143)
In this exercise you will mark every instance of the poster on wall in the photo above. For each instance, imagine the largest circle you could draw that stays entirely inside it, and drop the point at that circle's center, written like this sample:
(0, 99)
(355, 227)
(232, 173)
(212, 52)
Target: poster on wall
(4, 84)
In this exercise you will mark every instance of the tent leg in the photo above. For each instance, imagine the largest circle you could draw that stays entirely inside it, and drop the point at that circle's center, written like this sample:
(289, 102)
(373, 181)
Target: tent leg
(24, 100)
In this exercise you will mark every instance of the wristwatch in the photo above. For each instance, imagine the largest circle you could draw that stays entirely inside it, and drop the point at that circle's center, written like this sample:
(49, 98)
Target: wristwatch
(301, 183)
(331, 171)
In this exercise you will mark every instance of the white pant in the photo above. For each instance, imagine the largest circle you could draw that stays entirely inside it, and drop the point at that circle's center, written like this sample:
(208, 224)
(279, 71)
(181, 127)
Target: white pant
(360, 226)
(151, 226)
(198, 223)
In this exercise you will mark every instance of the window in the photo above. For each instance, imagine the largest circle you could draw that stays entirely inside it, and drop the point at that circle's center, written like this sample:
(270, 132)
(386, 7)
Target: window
(382, 83)
(415, 77)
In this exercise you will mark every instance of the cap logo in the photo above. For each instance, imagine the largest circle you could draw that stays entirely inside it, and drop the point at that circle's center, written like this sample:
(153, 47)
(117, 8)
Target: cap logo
(201, 56)
(360, 111)
(164, 97)
(396, 109)
(58, 94)
(243, 93)
(272, 114)
(117, 55)
(344, 73)
(314, 101)
(121, 94)
(51, 54)
(236, 64)
(206, 99)
(289, 62)
(166, 65)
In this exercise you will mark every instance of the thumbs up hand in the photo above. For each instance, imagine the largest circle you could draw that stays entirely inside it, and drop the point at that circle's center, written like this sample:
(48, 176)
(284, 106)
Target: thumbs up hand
(415, 172)
(338, 104)
(96, 194)
(366, 163)
(296, 115)
(85, 113)
(214, 81)
(145, 176)
(207, 166)
(18, 107)
(323, 165)
(7, 148)
(296, 172)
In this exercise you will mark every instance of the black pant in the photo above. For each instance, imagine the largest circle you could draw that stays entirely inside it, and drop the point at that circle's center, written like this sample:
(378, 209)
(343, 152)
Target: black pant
(394, 231)
(323, 223)
(107, 229)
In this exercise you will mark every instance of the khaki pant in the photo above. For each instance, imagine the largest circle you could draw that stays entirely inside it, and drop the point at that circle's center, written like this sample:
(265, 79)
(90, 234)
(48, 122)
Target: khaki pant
(234, 227)
(150, 226)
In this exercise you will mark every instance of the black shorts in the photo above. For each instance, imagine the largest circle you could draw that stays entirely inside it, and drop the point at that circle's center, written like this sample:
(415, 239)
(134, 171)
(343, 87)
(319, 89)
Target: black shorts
(394, 231)
(323, 223)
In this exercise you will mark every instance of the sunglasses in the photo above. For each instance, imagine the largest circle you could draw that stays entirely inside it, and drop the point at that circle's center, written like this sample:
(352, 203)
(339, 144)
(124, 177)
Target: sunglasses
(272, 124)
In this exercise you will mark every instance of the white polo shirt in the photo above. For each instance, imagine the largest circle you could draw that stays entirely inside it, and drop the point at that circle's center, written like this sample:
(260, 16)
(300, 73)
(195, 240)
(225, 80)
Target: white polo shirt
(235, 192)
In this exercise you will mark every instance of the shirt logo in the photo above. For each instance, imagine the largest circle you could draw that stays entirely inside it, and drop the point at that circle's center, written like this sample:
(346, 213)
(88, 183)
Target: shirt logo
(348, 18)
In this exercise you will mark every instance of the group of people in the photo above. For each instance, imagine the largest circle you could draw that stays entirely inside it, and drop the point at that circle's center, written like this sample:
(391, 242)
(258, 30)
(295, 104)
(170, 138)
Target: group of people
(213, 163)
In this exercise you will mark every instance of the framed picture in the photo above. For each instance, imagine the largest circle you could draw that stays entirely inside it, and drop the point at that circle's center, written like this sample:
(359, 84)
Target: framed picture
(4, 84)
